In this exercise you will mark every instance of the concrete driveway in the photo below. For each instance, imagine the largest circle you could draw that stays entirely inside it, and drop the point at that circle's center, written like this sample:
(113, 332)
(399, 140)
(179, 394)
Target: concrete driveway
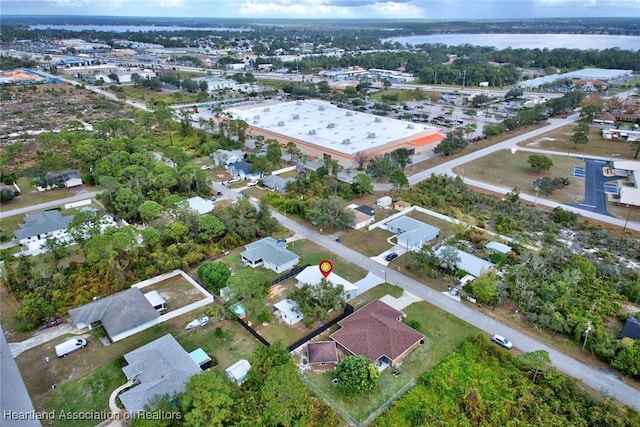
(380, 259)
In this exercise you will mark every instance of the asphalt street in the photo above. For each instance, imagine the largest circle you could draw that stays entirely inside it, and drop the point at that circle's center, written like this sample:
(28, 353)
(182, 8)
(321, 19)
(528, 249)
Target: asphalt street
(608, 383)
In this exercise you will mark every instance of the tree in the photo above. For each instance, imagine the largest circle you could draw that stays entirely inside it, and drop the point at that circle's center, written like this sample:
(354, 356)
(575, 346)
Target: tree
(580, 134)
(514, 93)
(590, 112)
(540, 162)
(450, 144)
(274, 153)
(398, 180)
(214, 275)
(208, 400)
(114, 78)
(209, 227)
(293, 151)
(248, 287)
(150, 210)
(449, 258)
(362, 184)
(628, 357)
(315, 301)
(285, 398)
(485, 288)
(332, 212)
(125, 203)
(536, 361)
(356, 375)
(263, 361)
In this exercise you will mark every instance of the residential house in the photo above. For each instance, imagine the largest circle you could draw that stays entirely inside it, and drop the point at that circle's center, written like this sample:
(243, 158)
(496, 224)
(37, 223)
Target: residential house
(470, 263)
(631, 329)
(158, 368)
(200, 205)
(322, 355)
(363, 215)
(243, 170)
(498, 247)
(287, 311)
(276, 183)
(376, 331)
(226, 157)
(312, 276)
(238, 371)
(271, 254)
(412, 234)
(38, 227)
(121, 315)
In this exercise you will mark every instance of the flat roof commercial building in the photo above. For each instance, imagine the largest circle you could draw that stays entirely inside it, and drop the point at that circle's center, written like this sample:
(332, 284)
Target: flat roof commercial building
(319, 128)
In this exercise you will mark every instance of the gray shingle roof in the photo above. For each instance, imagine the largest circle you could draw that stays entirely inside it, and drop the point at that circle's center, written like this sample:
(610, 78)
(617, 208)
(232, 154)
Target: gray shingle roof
(117, 313)
(631, 329)
(414, 231)
(470, 263)
(275, 182)
(269, 251)
(42, 223)
(161, 367)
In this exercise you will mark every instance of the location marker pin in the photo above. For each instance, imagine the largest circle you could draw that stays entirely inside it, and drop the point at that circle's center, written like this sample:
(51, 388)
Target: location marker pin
(326, 268)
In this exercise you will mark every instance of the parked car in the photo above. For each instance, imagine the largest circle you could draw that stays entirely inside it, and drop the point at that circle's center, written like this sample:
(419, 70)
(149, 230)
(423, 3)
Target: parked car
(252, 183)
(281, 240)
(391, 256)
(55, 322)
(200, 322)
(502, 341)
(205, 168)
(211, 199)
(232, 180)
(69, 346)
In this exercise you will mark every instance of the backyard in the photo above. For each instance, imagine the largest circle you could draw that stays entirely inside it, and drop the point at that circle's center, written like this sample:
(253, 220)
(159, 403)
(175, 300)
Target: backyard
(177, 292)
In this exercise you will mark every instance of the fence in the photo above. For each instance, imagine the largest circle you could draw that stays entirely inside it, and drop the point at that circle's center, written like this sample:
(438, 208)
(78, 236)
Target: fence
(252, 331)
(291, 273)
(348, 309)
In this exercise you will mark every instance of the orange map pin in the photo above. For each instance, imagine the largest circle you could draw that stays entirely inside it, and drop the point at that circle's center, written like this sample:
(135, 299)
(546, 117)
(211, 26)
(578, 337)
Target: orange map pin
(326, 268)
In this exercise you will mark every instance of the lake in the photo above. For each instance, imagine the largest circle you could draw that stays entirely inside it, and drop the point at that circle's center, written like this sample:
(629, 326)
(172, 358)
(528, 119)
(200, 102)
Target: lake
(527, 41)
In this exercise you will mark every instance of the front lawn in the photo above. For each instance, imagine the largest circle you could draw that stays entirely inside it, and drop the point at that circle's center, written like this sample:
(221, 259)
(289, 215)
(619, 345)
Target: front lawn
(367, 242)
(312, 254)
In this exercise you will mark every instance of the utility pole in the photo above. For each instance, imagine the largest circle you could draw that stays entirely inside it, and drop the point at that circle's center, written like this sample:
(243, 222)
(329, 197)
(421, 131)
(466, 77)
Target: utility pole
(586, 335)
(464, 78)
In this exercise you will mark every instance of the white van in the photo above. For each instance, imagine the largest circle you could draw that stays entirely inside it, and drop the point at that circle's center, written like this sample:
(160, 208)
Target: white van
(69, 346)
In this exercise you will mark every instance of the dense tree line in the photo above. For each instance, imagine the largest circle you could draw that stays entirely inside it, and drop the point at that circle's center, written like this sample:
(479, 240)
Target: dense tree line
(483, 385)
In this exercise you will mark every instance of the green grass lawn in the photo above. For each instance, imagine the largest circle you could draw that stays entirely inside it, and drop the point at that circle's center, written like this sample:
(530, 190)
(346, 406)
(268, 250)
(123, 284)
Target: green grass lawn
(443, 332)
(367, 242)
(8, 226)
(360, 407)
(87, 394)
(312, 254)
(375, 293)
(144, 95)
(31, 196)
(511, 170)
(403, 95)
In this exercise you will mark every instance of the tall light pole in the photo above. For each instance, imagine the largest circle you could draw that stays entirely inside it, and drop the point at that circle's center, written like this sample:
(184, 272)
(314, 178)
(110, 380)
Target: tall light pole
(537, 188)
(385, 275)
(586, 335)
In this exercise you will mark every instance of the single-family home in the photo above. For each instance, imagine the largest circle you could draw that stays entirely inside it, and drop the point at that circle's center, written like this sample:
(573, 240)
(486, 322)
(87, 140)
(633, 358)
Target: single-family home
(243, 170)
(238, 371)
(121, 315)
(37, 228)
(384, 202)
(276, 183)
(412, 234)
(158, 368)
(472, 264)
(271, 254)
(363, 215)
(322, 355)
(287, 311)
(376, 331)
(631, 329)
(312, 276)
(225, 157)
(200, 205)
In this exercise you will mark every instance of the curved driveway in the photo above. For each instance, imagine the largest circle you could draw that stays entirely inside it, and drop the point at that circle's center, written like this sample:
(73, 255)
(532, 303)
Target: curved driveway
(607, 383)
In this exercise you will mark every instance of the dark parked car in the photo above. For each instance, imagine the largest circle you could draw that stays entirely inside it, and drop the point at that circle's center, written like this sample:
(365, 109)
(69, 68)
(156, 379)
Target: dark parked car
(391, 256)
(55, 322)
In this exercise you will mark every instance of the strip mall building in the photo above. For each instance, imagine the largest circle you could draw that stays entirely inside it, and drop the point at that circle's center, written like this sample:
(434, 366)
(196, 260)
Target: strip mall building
(319, 128)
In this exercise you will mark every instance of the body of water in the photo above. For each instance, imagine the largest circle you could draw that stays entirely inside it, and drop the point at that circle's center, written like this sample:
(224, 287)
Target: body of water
(527, 41)
(129, 28)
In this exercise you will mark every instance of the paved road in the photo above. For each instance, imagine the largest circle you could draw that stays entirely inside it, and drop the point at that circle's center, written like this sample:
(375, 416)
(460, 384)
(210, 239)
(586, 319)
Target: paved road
(48, 205)
(607, 382)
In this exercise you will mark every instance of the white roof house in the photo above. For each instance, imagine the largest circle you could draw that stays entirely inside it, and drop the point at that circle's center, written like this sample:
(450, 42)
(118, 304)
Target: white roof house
(318, 128)
(287, 310)
(200, 205)
(312, 276)
(470, 263)
(238, 371)
(412, 234)
(629, 193)
(268, 252)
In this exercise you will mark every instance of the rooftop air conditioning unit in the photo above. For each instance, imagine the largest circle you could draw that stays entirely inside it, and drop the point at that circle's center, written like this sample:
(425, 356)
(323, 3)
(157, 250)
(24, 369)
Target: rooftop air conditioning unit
(256, 117)
(409, 126)
(378, 120)
(346, 141)
(321, 108)
(312, 132)
(371, 135)
(280, 123)
(331, 125)
(296, 117)
(298, 102)
(267, 109)
(349, 113)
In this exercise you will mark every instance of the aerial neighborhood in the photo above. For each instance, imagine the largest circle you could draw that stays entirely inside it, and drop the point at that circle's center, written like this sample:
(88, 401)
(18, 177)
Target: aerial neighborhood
(208, 221)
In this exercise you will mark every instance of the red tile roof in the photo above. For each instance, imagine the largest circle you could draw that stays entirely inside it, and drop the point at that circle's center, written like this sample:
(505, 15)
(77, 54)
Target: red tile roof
(375, 331)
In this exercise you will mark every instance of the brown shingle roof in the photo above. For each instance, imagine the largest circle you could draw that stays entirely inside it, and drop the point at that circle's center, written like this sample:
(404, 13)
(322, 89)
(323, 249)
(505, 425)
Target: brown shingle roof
(322, 352)
(375, 331)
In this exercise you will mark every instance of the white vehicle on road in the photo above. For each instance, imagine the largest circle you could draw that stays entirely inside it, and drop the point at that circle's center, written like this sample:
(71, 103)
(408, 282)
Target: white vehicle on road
(502, 341)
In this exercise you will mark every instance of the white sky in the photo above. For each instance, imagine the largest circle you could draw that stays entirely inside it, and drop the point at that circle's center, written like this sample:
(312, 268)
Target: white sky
(329, 9)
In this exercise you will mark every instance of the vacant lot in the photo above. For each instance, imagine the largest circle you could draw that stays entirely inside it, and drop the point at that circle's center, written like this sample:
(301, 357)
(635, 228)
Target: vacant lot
(368, 242)
(312, 254)
(510, 170)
